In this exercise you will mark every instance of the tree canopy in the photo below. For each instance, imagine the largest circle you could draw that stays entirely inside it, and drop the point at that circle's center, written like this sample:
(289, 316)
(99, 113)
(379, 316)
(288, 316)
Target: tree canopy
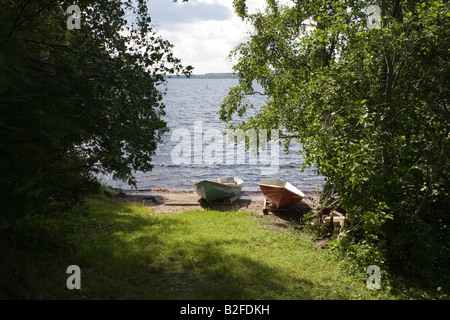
(370, 106)
(78, 94)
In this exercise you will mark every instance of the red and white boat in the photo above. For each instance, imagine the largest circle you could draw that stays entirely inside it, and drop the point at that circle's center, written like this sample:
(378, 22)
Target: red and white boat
(280, 193)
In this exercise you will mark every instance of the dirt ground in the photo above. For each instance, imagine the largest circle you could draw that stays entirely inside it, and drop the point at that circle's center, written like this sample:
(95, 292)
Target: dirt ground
(169, 202)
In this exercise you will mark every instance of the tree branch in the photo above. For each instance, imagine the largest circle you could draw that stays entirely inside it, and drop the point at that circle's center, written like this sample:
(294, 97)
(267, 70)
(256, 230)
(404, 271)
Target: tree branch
(64, 46)
(16, 22)
(255, 92)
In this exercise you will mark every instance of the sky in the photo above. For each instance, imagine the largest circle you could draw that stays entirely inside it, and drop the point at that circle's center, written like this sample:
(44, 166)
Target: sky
(203, 32)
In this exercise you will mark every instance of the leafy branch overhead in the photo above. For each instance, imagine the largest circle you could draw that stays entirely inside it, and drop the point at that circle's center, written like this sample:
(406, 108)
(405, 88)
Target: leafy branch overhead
(78, 101)
(369, 105)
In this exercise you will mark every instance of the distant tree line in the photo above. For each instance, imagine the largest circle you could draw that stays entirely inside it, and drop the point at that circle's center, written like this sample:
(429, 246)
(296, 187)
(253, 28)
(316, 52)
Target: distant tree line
(219, 75)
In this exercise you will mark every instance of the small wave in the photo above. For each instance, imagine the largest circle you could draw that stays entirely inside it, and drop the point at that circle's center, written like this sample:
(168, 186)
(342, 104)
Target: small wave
(290, 166)
(170, 165)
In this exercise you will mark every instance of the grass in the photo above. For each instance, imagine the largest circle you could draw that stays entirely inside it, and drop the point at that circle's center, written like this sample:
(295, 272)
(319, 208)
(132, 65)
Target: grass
(126, 252)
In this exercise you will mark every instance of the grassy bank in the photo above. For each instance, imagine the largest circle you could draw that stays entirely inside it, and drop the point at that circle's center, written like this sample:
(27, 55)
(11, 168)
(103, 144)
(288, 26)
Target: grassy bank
(126, 252)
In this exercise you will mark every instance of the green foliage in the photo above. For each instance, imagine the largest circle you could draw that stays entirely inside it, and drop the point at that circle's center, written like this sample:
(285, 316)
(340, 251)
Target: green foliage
(370, 108)
(74, 102)
(125, 251)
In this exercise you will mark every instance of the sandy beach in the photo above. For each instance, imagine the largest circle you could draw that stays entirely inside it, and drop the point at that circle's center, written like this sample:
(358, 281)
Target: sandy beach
(172, 202)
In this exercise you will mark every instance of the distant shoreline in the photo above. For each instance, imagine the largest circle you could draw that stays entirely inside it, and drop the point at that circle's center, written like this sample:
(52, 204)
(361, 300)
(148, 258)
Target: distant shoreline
(254, 193)
(216, 75)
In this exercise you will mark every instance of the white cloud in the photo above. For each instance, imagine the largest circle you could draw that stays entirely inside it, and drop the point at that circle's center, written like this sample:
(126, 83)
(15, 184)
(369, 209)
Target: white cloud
(203, 32)
(167, 13)
(205, 45)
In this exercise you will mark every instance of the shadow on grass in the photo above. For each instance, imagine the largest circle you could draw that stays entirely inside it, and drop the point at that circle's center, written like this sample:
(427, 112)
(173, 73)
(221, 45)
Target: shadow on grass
(128, 256)
(156, 264)
(37, 250)
(204, 271)
(216, 274)
(293, 213)
(226, 205)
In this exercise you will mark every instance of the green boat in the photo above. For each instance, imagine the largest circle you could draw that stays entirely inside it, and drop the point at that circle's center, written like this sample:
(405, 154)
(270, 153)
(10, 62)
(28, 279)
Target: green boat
(218, 190)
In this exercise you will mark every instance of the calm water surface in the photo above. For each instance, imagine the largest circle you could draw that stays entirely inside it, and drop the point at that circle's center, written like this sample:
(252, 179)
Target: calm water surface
(191, 102)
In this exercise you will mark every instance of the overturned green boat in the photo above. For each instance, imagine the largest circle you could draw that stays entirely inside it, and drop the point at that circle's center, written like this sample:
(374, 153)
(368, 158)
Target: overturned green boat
(220, 189)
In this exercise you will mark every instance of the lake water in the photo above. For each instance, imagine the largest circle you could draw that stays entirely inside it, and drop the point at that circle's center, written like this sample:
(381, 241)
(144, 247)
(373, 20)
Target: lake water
(195, 149)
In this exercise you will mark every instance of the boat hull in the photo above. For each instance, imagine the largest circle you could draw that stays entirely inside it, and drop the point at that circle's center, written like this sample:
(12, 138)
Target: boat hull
(280, 193)
(222, 189)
